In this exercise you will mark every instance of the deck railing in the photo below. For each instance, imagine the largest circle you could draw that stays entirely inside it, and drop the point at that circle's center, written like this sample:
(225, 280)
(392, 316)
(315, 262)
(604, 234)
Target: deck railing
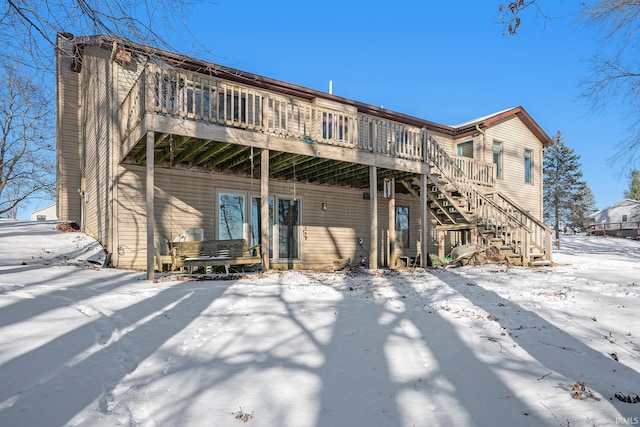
(540, 234)
(624, 229)
(480, 173)
(196, 96)
(494, 211)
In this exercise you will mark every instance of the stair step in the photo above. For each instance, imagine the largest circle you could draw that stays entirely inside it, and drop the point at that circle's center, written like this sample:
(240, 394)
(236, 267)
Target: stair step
(541, 263)
(515, 259)
(506, 251)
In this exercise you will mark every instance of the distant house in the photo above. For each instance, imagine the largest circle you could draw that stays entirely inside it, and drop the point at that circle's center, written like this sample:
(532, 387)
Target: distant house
(45, 214)
(159, 143)
(622, 219)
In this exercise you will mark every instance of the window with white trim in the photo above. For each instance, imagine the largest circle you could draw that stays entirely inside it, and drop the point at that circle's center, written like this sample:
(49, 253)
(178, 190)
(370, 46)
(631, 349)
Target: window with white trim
(528, 167)
(497, 158)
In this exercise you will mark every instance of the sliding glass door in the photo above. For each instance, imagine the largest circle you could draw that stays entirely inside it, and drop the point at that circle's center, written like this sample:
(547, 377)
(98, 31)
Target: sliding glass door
(288, 228)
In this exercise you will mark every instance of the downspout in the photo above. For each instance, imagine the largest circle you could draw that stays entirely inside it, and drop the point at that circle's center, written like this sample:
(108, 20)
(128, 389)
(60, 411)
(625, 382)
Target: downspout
(484, 137)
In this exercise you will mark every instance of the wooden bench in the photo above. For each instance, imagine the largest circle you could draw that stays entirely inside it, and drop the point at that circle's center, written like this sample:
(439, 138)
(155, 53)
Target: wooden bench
(213, 253)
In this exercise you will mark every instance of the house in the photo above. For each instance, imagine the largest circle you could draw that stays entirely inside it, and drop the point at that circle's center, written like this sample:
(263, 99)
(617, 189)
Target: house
(621, 219)
(157, 143)
(44, 214)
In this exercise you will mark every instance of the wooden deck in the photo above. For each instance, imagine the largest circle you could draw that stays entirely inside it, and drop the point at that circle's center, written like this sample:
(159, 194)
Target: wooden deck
(627, 229)
(193, 97)
(203, 121)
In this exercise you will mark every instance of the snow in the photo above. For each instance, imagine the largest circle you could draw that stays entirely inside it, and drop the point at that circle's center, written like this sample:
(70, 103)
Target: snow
(83, 345)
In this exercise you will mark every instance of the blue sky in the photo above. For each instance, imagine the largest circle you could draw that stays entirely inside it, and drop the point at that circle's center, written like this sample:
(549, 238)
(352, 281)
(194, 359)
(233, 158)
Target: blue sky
(447, 62)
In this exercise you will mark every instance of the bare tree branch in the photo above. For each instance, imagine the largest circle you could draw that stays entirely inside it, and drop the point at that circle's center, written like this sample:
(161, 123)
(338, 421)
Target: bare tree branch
(615, 77)
(28, 28)
(26, 149)
(28, 36)
(510, 14)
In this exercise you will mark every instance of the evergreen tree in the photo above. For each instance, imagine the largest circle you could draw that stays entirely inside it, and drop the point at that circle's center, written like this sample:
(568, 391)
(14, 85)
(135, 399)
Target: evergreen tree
(562, 184)
(585, 205)
(634, 186)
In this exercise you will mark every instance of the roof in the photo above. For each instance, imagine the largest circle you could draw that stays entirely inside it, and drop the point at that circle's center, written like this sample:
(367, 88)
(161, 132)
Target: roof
(629, 207)
(520, 112)
(43, 209)
(197, 65)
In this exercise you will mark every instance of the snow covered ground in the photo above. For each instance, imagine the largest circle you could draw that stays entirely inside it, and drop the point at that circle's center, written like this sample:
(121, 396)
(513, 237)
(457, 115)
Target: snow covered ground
(471, 346)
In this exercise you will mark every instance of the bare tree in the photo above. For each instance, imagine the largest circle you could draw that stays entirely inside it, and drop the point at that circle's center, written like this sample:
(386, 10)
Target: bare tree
(28, 33)
(28, 28)
(509, 14)
(615, 76)
(26, 151)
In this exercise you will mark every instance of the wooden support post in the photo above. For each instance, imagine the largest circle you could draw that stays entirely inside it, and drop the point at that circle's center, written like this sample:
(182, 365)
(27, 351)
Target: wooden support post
(373, 208)
(424, 249)
(150, 200)
(264, 209)
(392, 225)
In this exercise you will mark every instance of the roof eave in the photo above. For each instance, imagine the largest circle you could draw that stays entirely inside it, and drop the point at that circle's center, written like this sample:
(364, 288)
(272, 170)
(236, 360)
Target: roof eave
(196, 65)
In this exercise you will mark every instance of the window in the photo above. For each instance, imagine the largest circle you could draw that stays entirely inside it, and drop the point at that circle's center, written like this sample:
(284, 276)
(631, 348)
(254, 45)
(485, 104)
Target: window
(528, 166)
(402, 226)
(230, 216)
(288, 227)
(624, 218)
(497, 158)
(44, 218)
(465, 149)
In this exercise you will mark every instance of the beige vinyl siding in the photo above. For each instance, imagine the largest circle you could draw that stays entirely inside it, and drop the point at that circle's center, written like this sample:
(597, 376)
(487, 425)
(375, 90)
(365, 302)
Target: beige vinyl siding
(448, 143)
(186, 198)
(335, 230)
(96, 142)
(347, 217)
(515, 138)
(183, 199)
(68, 135)
(126, 77)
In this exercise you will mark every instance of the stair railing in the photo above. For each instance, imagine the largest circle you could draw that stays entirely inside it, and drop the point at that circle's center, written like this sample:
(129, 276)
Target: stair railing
(488, 213)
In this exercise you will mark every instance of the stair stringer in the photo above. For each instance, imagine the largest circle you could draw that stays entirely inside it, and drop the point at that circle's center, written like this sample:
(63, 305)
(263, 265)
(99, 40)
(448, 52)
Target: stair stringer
(485, 214)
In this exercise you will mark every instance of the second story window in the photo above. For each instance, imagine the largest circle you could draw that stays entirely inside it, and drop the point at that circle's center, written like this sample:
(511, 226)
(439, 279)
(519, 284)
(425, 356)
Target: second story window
(465, 149)
(528, 167)
(497, 158)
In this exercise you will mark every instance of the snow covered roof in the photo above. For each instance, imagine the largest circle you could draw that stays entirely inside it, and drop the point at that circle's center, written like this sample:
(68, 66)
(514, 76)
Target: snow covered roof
(614, 212)
(481, 119)
(521, 113)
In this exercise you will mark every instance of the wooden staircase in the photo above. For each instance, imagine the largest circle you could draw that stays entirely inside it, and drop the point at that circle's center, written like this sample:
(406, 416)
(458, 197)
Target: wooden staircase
(491, 219)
